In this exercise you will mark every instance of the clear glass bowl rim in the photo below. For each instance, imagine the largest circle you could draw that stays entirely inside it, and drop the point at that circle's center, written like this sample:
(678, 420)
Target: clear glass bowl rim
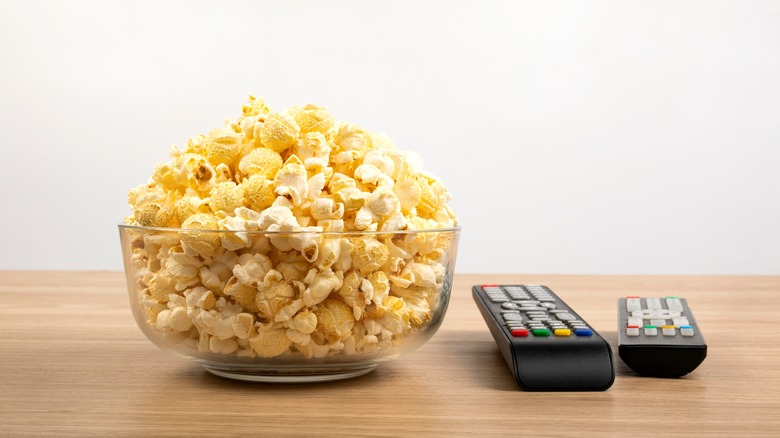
(455, 229)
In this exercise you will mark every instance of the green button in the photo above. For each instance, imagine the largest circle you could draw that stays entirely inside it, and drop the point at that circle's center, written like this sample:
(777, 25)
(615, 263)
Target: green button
(541, 332)
(650, 327)
(669, 298)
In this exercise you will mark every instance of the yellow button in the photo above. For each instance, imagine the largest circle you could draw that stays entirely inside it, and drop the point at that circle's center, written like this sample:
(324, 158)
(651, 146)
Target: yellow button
(562, 332)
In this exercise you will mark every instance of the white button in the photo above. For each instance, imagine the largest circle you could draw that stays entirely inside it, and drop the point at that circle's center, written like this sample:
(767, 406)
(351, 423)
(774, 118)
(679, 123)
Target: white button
(635, 321)
(653, 303)
(647, 314)
(651, 331)
(632, 331)
(668, 331)
(512, 317)
(633, 304)
(680, 321)
(686, 331)
(658, 322)
(674, 304)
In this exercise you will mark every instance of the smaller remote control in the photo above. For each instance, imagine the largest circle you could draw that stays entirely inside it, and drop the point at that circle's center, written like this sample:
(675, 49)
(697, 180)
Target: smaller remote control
(546, 344)
(659, 337)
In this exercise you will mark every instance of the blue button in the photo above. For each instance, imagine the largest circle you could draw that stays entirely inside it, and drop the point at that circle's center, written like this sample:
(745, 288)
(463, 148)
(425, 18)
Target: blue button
(583, 332)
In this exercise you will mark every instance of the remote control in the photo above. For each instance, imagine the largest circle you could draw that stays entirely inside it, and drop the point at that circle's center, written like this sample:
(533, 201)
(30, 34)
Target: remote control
(659, 337)
(546, 344)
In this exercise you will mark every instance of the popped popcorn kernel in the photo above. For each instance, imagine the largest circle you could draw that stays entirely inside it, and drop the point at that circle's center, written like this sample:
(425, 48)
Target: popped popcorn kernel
(334, 318)
(199, 243)
(154, 209)
(369, 254)
(259, 192)
(221, 146)
(255, 266)
(260, 161)
(271, 299)
(312, 118)
(226, 197)
(291, 181)
(270, 342)
(279, 132)
(193, 171)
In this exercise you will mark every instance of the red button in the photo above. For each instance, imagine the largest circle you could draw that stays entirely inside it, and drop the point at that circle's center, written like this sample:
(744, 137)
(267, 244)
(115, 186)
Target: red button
(489, 285)
(519, 332)
(633, 296)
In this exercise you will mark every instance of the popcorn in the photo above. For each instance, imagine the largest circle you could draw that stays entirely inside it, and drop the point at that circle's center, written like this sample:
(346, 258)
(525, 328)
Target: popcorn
(246, 269)
(291, 181)
(226, 197)
(279, 132)
(203, 243)
(314, 119)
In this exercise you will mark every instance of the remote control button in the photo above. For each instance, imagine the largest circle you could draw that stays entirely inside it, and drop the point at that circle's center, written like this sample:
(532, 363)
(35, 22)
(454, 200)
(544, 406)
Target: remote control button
(647, 314)
(541, 332)
(686, 330)
(565, 316)
(583, 332)
(651, 330)
(681, 321)
(562, 332)
(658, 322)
(520, 333)
(653, 303)
(632, 330)
(674, 303)
(533, 309)
(550, 306)
(509, 305)
(668, 330)
(512, 317)
(635, 321)
(633, 304)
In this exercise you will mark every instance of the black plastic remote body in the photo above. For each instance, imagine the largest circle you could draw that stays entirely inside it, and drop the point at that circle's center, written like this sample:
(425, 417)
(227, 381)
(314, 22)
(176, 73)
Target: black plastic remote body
(546, 344)
(659, 336)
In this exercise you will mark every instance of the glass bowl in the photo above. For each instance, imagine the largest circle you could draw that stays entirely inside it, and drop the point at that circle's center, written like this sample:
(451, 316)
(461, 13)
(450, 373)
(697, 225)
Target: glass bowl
(288, 306)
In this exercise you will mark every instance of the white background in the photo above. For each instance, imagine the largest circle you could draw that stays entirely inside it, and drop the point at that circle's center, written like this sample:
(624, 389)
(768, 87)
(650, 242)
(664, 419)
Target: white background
(576, 137)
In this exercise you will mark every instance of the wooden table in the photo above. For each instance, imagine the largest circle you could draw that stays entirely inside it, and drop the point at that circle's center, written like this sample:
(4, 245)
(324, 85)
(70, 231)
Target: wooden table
(74, 363)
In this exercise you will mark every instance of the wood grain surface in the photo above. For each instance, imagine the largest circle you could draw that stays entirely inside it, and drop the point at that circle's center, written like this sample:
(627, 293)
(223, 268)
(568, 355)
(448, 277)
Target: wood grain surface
(74, 363)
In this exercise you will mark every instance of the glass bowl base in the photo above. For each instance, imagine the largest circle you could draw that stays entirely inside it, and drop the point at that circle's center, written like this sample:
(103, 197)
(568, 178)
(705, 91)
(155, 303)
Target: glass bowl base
(291, 376)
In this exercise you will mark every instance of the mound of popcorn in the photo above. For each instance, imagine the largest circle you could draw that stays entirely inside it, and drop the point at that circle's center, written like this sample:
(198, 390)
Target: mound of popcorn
(294, 291)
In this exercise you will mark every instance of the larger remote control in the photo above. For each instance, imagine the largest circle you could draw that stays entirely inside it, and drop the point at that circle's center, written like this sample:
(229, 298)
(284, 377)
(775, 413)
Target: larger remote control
(659, 336)
(546, 344)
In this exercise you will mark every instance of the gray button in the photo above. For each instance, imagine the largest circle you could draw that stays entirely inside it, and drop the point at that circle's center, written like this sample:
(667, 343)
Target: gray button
(533, 309)
(548, 305)
(510, 305)
(565, 316)
(512, 317)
